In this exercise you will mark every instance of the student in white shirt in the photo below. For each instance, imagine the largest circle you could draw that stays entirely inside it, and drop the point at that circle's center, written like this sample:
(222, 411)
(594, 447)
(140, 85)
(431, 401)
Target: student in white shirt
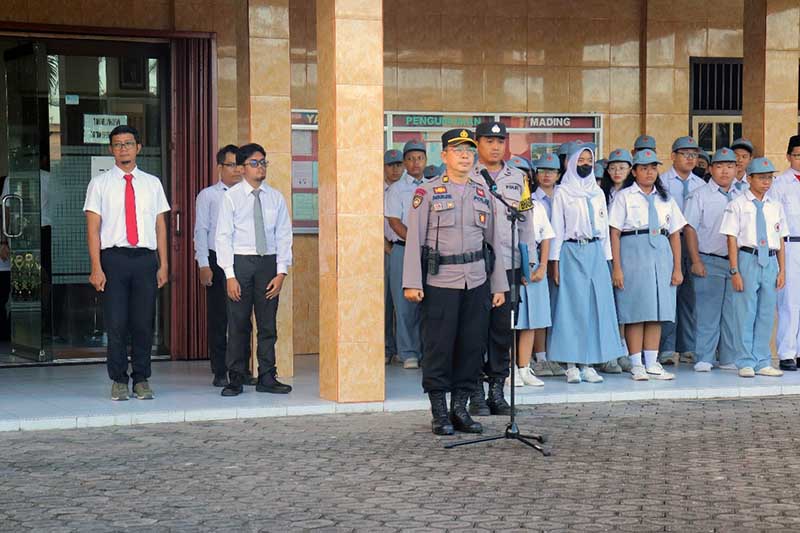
(708, 253)
(254, 249)
(744, 154)
(392, 171)
(127, 238)
(680, 182)
(645, 242)
(786, 190)
(755, 225)
(211, 275)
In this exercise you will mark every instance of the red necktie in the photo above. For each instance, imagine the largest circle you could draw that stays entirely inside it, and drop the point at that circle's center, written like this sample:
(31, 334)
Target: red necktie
(130, 211)
(797, 176)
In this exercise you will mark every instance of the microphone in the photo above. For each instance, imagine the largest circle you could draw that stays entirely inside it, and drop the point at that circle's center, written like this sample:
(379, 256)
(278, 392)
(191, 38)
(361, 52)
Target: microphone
(489, 181)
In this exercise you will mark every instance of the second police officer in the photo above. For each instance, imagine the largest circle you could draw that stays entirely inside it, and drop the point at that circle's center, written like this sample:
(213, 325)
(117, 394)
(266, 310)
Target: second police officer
(446, 268)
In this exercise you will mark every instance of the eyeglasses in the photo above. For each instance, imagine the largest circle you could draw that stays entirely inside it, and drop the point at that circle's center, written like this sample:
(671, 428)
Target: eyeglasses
(255, 163)
(462, 149)
(229, 165)
(126, 144)
(618, 167)
(796, 157)
(688, 155)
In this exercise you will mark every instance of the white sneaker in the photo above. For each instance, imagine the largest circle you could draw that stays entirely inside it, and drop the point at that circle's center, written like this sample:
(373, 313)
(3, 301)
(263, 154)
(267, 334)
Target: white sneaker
(703, 366)
(529, 378)
(573, 375)
(557, 369)
(411, 362)
(590, 375)
(517, 378)
(770, 372)
(658, 372)
(638, 373)
(542, 369)
(747, 372)
(729, 366)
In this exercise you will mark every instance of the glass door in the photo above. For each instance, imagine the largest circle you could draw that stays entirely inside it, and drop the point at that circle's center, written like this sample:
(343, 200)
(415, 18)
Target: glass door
(26, 101)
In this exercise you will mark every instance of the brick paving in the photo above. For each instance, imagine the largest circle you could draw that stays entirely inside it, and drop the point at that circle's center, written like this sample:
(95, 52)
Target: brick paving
(683, 466)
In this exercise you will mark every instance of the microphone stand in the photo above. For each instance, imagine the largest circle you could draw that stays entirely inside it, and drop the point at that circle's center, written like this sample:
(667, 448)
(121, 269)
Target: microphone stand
(512, 430)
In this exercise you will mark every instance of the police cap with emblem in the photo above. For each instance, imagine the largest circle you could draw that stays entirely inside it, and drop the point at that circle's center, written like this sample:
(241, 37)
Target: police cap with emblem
(458, 136)
(490, 129)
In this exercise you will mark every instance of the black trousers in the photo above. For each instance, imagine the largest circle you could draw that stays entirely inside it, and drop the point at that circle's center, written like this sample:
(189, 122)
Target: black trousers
(253, 273)
(501, 335)
(454, 326)
(217, 317)
(129, 308)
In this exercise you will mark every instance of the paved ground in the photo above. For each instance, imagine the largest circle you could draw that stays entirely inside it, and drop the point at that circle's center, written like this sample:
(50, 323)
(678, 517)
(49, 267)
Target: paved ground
(686, 466)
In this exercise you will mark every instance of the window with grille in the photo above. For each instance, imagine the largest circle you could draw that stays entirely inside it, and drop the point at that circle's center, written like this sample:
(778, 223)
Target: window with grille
(716, 86)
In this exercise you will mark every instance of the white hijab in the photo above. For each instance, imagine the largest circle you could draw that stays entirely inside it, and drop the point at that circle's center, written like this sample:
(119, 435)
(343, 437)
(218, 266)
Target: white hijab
(576, 186)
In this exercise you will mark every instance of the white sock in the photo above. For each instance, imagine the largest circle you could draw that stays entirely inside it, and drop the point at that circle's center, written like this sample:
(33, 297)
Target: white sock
(650, 357)
(541, 357)
(636, 359)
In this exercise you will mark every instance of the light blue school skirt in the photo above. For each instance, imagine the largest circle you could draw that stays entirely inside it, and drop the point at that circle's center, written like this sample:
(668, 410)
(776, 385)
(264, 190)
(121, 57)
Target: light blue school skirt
(534, 306)
(648, 295)
(585, 328)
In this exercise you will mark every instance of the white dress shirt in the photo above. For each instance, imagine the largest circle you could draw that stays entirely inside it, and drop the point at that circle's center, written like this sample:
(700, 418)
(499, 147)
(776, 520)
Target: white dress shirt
(545, 200)
(739, 221)
(741, 185)
(205, 224)
(703, 211)
(106, 197)
(540, 222)
(630, 211)
(674, 185)
(570, 220)
(388, 232)
(787, 192)
(398, 198)
(236, 231)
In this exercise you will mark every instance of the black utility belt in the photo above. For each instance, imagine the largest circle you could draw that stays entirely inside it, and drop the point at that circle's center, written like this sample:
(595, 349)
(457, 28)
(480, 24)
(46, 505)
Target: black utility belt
(129, 250)
(583, 241)
(754, 251)
(461, 259)
(725, 257)
(791, 239)
(399, 243)
(663, 232)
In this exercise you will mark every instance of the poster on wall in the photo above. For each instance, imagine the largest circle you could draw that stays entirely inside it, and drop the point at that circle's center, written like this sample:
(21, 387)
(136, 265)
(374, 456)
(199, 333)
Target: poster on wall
(101, 163)
(97, 127)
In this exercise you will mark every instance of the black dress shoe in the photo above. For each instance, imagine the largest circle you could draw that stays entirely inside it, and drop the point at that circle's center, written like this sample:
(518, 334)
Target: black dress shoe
(496, 401)
(440, 423)
(250, 381)
(220, 381)
(232, 390)
(268, 383)
(788, 365)
(477, 402)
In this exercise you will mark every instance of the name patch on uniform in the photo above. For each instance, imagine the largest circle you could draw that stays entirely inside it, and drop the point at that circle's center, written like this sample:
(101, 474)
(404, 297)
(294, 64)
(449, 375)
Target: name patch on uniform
(513, 187)
(441, 197)
(439, 190)
(480, 193)
(482, 199)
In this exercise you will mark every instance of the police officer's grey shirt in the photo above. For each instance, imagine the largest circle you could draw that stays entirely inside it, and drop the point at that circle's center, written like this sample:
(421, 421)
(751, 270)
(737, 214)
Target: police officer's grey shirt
(464, 221)
(510, 184)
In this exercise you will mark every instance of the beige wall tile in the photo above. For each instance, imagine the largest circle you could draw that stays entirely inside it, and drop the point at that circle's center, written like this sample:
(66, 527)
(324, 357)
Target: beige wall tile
(454, 47)
(413, 45)
(226, 81)
(675, 10)
(359, 9)
(589, 90)
(661, 91)
(781, 76)
(462, 87)
(269, 67)
(725, 41)
(299, 88)
(625, 42)
(263, 130)
(269, 18)
(359, 189)
(361, 372)
(548, 89)
(389, 86)
(505, 88)
(621, 131)
(227, 128)
(505, 39)
(363, 322)
(782, 119)
(624, 90)
(666, 128)
(783, 21)
(419, 87)
(354, 104)
(360, 47)
(360, 256)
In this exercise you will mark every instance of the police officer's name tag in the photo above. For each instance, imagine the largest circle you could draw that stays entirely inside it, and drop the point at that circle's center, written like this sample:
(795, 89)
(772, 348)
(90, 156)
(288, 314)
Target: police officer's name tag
(443, 206)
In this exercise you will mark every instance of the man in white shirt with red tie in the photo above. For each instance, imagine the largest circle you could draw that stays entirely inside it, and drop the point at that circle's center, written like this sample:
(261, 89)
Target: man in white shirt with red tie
(127, 239)
(254, 249)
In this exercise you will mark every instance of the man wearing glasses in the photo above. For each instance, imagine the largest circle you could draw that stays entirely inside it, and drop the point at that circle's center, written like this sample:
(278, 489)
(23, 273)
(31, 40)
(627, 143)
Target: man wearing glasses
(254, 249)
(127, 239)
(680, 182)
(211, 275)
(450, 222)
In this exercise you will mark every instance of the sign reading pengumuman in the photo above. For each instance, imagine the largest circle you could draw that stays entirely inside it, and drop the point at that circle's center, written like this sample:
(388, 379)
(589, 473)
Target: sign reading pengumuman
(97, 127)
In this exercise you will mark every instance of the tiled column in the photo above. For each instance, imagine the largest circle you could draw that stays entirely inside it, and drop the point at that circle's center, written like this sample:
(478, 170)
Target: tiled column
(350, 103)
(771, 44)
(264, 117)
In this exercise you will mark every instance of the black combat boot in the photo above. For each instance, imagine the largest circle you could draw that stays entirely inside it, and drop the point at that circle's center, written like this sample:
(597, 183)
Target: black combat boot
(459, 415)
(477, 403)
(497, 402)
(440, 425)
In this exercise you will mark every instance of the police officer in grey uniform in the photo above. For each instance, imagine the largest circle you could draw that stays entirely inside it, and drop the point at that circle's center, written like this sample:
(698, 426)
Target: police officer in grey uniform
(510, 183)
(447, 268)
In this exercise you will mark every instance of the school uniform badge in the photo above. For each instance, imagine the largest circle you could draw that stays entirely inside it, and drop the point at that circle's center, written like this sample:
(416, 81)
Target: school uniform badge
(418, 194)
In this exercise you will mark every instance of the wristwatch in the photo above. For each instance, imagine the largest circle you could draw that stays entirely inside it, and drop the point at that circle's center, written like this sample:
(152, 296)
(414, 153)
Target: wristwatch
(733, 271)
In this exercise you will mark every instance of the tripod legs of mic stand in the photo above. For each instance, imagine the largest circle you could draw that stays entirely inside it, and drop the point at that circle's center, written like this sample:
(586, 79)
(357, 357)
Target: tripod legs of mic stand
(512, 432)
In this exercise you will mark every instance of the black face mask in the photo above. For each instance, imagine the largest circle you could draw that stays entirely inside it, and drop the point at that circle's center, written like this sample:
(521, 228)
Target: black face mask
(585, 170)
(699, 171)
